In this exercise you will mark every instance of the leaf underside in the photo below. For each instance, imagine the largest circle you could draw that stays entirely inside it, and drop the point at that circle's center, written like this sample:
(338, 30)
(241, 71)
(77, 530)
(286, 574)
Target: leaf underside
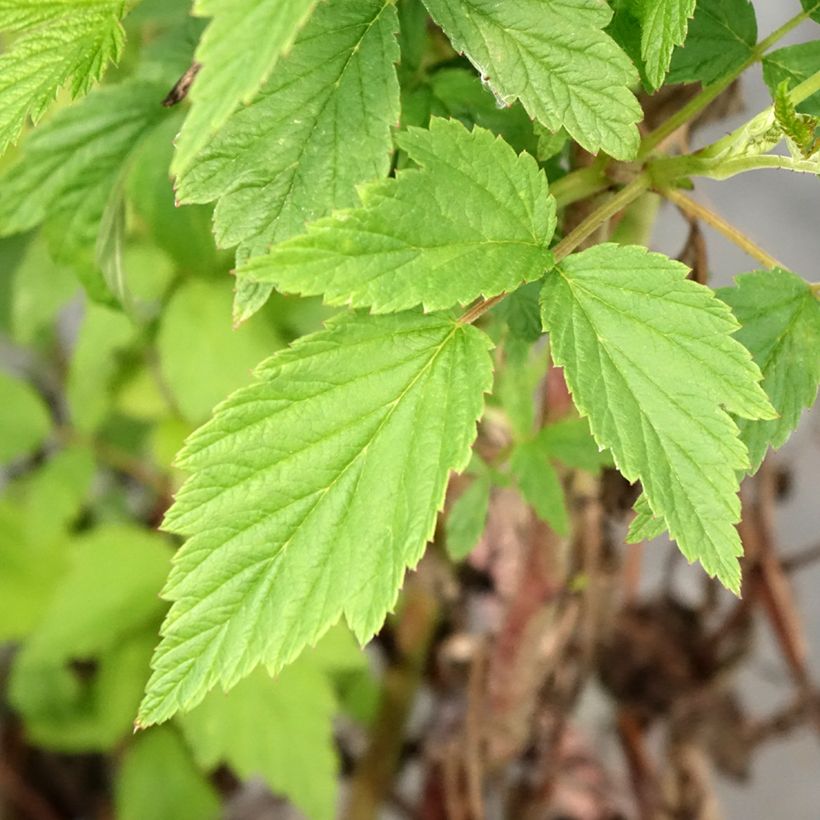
(649, 358)
(310, 493)
(414, 241)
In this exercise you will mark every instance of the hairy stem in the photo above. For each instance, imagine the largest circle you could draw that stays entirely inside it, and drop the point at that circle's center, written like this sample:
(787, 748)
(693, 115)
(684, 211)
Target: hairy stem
(733, 234)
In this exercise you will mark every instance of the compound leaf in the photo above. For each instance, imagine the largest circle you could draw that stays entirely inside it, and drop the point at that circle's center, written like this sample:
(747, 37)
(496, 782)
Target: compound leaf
(540, 484)
(664, 24)
(319, 126)
(279, 729)
(310, 493)
(554, 56)
(57, 41)
(722, 36)
(780, 319)
(649, 358)
(414, 242)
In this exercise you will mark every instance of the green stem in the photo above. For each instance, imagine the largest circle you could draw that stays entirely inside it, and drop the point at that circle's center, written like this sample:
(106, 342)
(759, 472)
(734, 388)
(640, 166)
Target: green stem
(580, 184)
(722, 226)
(711, 92)
(574, 238)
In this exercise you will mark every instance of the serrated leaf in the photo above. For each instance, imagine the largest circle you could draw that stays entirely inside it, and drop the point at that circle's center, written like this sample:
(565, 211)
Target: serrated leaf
(160, 756)
(794, 64)
(70, 167)
(650, 360)
(412, 242)
(644, 526)
(554, 56)
(664, 25)
(235, 62)
(310, 493)
(279, 729)
(320, 126)
(780, 326)
(24, 419)
(722, 36)
(467, 517)
(57, 41)
(571, 442)
(539, 484)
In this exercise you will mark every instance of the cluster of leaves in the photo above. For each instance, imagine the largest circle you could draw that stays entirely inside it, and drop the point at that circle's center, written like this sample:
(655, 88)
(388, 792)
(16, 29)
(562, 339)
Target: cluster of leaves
(401, 161)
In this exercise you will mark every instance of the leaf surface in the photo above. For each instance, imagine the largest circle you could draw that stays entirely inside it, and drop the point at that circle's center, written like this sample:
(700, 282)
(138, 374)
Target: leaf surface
(413, 242)
(24, 419)
(235, 62)
(780, 326)
(279, 729)
(310, 493)
(467, 518)
(664, 25)
(554, 56)
(57, 41)
(722, 36)
(794, 64)
(319, 127)
(650, 359)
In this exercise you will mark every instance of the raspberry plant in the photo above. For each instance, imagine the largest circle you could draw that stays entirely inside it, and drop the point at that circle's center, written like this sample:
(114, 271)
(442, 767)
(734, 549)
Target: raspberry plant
(450, 180)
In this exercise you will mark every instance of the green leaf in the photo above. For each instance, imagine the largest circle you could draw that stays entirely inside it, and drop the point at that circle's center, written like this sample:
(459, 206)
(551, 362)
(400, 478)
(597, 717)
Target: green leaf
(160, 757)
(280, 730)
(649, 358)
(780, 319)
(24, 419)
(812, 8)
(319, 127)
(201, 368)
(412, 242)
(70, 167)
(571, 442)
(799, 129)
(109, 591)
(235, 62)
(57, 41)
(664, 24)
(105, 335)
(794, 64)
(539, 484)
(361, 424)
(554, 57)
(467, 517)
(722, 37)
(644, 526)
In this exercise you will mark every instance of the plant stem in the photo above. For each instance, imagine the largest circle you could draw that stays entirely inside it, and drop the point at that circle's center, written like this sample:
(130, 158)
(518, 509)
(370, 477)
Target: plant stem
(580, 184)
(711, 92)
(733, 234)
(574, 238)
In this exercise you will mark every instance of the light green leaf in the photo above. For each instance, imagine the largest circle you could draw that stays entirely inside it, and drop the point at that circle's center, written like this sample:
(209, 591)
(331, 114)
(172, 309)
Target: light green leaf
(200, 368)
(235, 62)
(780, 318)
(310, 493)
(320, 126)
(722, 37)
(539, 484)
(105, 335)
(467, 518)
(476, 220)
(110, 590)
(160, 757)
(571, 442)
(70, 167)
(664, 24)
(644, 526)
(794, 64)
(24, 419)
(280, 729)
(57, 41)
(554, 56)
(650, 360)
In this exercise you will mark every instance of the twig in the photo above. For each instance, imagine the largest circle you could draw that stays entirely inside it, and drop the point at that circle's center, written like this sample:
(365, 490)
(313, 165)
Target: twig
(694, 209)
